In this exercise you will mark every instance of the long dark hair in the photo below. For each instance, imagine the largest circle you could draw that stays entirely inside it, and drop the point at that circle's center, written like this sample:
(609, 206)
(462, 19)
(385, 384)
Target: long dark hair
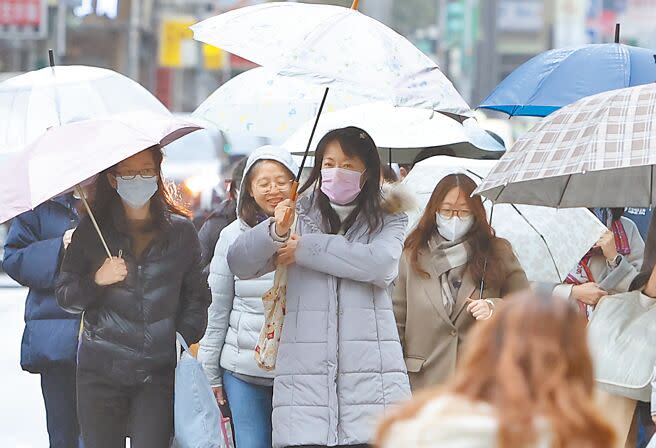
(248, 210)
(357, 143)
(481, 237)
(162, 204)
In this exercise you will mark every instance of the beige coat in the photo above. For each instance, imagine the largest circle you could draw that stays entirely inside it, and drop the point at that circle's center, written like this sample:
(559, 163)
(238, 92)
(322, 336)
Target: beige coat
(432, 341)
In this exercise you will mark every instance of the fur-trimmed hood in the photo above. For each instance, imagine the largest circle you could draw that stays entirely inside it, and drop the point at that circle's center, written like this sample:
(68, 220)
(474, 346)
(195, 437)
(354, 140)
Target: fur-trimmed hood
(398, 198)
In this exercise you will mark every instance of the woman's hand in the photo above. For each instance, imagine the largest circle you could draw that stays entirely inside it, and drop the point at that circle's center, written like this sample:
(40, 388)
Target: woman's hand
(113, 270)
(287, 253)
(480, 309)
(607, 245)
(283, 225)
(589, 293)
(68, 237)
(218, 394)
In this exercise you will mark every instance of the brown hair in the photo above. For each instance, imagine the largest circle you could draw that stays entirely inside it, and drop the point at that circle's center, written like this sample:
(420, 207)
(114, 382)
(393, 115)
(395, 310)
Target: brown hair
(162, 204)
(248, 208)
(529, 361)
(481, 237)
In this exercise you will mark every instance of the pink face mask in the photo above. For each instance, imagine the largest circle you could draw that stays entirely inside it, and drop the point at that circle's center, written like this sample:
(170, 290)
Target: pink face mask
(340, 185)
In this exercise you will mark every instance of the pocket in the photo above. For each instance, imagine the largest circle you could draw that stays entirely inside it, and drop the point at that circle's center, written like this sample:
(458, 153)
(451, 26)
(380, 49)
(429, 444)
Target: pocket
(414, 363)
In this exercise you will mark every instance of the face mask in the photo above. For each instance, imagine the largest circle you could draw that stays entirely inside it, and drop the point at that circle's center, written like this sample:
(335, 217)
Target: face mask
(340, 185)
(136, 192)
(454, 228)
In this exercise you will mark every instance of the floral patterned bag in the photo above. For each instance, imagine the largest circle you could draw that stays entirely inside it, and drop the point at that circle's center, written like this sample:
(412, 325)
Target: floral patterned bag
(274, 301)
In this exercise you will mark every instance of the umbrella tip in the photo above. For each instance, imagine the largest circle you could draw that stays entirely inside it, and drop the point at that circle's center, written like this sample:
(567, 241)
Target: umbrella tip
(355, 5)
(51, 57)
(617, 33)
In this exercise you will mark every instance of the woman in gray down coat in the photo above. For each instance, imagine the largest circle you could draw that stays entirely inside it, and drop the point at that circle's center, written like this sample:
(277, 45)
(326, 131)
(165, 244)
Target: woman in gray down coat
(236, 314)
(340, 363)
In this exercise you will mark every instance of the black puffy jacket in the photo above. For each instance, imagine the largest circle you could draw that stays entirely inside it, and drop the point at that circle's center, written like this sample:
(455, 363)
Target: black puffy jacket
(129, 327)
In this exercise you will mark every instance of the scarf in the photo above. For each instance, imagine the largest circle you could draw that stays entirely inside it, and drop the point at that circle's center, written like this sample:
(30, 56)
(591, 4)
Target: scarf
(449, 262)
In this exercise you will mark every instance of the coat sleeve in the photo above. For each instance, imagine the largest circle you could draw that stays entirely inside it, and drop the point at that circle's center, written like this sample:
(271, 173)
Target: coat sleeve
(515, 276)
(619, 279)
(400, 300)
(28, 259)
(76, 288)
(376, 262)
(195, 294)
(222, 285)
(253, 252)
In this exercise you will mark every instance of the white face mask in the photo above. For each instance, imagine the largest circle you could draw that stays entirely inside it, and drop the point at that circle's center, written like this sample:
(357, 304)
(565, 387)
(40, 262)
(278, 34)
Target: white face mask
(454, 228)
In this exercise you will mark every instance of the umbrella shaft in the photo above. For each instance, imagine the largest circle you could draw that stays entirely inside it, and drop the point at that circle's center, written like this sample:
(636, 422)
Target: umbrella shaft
(93, 220)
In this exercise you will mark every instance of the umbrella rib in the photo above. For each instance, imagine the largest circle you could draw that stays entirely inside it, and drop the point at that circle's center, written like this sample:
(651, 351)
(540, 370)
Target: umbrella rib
(562, 195)
(651, 186)
(544, 240)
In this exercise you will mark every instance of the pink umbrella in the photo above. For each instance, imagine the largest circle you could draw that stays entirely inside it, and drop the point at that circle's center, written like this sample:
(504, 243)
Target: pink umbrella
(65, 156)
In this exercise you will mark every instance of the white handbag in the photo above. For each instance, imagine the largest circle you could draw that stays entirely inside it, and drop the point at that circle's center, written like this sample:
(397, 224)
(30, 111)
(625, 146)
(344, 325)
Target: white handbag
(621, 335)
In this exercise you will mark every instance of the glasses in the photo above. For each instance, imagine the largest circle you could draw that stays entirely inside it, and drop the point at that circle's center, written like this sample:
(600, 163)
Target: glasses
(266, 188)
(448, 213)
(144, 174)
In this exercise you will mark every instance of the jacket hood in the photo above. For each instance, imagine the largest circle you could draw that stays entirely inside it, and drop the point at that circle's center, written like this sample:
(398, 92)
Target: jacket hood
(398, 198)
(269, 152)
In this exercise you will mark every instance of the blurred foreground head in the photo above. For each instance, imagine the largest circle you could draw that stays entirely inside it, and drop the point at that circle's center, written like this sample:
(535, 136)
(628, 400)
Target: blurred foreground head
(525, 380)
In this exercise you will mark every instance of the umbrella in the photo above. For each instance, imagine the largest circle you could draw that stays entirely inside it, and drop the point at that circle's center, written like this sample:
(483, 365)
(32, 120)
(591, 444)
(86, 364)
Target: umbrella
(405, 130)
(559, 77)
(334, 47)
(35, 101)
(597, 152)
(65, 156)
(541, 237)
(260, 103)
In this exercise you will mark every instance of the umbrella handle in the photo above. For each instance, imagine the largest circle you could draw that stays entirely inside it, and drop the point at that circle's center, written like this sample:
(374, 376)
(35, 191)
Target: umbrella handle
(293, 195)
(80, 191)
(355, 5)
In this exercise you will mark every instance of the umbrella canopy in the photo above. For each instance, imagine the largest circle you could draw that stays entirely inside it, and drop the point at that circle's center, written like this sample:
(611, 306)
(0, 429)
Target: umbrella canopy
(66, 156)
(597, 152)
(35, 101)
(260, 103)
(541, 237)
(559, 77)
(334, 47)
(406, 130)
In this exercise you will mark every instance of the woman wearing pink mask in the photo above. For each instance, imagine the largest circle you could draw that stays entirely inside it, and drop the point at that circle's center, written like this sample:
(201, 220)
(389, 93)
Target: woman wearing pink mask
(340, 363)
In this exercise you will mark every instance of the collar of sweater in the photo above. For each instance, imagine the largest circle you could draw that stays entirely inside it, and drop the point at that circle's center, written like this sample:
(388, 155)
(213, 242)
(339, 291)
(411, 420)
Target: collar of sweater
(343, 211)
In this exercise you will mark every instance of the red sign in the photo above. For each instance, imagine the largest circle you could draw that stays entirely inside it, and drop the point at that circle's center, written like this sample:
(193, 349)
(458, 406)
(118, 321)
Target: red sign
(21, 13)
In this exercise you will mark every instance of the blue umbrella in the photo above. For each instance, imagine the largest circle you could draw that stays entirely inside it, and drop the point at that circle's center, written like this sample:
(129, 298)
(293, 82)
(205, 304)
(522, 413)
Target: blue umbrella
(559, 77)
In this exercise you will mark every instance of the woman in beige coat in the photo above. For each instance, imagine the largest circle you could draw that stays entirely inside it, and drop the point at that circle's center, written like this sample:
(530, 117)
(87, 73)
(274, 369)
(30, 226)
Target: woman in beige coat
(525, 381)
(438, 295)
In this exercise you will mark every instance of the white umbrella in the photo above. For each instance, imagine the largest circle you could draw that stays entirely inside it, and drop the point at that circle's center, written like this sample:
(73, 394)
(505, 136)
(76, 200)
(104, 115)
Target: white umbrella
(548, 242)
(263, 104)
(334, 47)
(35, 101)
(405, 128)
(65, 156)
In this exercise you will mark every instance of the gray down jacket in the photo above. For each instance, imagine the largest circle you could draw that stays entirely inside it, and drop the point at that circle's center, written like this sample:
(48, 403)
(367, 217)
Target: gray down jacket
(340, 363)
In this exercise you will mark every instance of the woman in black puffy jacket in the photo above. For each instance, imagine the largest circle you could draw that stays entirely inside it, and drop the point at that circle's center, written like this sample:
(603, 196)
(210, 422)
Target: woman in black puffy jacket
(133, 304)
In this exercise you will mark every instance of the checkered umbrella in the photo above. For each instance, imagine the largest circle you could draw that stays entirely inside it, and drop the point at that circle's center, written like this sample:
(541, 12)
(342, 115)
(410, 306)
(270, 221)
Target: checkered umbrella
(597, 152)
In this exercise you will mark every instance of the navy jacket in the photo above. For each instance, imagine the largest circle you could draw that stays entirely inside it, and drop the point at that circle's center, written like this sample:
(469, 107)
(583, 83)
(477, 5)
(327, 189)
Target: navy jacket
(33, 252)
